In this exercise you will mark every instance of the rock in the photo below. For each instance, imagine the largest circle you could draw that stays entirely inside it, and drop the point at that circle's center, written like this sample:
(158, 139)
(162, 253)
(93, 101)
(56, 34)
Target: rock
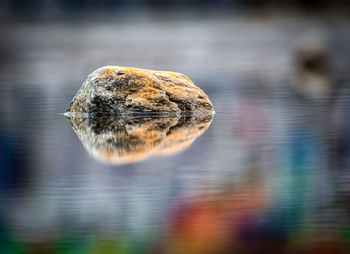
(115, 89)
(130, 139)
(312, 67)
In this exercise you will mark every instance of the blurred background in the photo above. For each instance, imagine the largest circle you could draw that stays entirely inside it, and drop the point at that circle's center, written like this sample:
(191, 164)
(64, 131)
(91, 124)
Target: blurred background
(270, 174)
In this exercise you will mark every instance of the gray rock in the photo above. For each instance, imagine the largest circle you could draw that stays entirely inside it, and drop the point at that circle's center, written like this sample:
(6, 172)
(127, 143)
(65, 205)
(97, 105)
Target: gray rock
(114, 89)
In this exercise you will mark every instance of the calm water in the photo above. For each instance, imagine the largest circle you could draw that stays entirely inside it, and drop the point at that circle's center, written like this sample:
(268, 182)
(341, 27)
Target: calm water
(268, 174)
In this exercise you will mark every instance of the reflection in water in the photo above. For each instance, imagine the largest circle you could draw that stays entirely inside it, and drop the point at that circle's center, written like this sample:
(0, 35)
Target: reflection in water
(131, 139)
(270, 175)
(218, 222)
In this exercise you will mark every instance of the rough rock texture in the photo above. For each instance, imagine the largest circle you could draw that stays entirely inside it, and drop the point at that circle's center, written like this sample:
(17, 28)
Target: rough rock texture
(115, 89)
(131, 139)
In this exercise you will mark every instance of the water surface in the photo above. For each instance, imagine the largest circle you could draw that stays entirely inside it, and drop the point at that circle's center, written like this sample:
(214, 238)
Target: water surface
(270, 174)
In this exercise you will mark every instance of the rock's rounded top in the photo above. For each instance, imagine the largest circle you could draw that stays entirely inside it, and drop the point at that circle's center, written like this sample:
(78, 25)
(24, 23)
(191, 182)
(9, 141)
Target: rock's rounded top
(117, 89)
(113, 71)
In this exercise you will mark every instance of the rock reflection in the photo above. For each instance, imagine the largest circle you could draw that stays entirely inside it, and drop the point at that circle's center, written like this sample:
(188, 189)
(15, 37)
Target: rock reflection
(130, 139)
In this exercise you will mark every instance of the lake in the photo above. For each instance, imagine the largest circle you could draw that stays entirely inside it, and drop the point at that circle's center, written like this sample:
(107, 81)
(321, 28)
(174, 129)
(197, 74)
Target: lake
(268, 173)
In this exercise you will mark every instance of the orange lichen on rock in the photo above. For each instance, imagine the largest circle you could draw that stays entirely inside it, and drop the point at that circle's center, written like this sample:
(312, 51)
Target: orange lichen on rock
(115, 89)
